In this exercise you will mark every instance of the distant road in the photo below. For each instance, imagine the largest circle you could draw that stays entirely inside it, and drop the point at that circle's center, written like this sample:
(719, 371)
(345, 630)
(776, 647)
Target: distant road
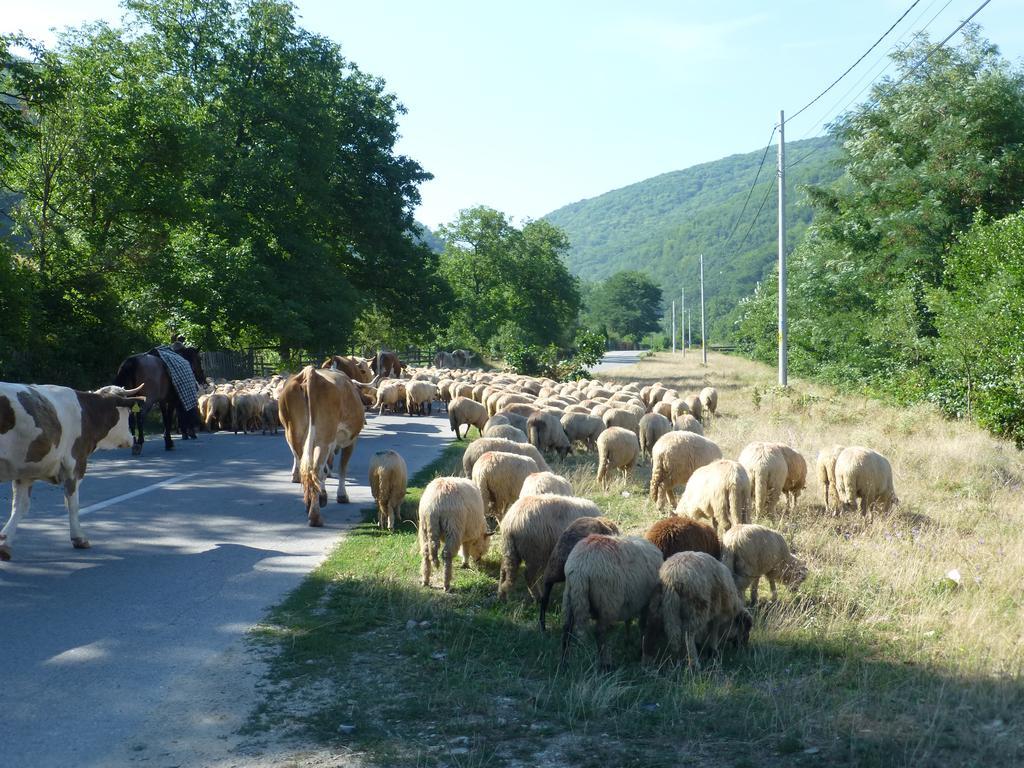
(104, 647)
(613, 360)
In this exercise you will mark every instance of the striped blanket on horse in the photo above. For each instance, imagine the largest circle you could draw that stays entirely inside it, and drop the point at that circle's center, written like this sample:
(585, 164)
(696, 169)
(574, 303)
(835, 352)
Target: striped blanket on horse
(182, 377)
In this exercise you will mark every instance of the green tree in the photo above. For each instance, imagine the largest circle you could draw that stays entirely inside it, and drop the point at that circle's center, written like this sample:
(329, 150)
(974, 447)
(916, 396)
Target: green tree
(627, 305)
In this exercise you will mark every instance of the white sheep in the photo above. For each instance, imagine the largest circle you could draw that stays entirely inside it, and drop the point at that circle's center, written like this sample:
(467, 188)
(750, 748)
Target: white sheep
(675, 457)
(652, 427)
(529, 533)
(583, 428)
(499, 476)
(864, 476)
(388, 478)
(546, 433)
(451, 510)
(617, 448)
(694, 404)
(545, 482)
(463, 410)
(752, 551)
(696, 603)
(480, 446)
(685, 422)
(621, 417)
(768, 470)
(506, 431)
(609, 579)
(419, 397)
(719, 492)
(796, 475)
(826, 466)
(709, 401)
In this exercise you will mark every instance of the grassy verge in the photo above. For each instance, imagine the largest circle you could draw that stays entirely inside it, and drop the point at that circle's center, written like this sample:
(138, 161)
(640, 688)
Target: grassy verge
(878, 660)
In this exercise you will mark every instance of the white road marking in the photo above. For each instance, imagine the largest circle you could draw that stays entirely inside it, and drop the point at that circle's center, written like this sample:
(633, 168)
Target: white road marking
(132, 494)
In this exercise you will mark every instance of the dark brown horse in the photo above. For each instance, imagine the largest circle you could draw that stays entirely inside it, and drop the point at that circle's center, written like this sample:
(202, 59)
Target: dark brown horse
(147, 368)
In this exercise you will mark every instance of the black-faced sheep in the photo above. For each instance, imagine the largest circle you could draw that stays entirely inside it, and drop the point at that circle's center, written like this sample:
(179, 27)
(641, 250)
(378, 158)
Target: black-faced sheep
(768, 470)
(451, 510)
(864, 476)
(499, 476)
(752, 551)
(617, 448)
(463, 410)
(675, 457)
(388, 478)
(554, 573)
(479, 447)
(652, 427)
(529, 533)
(826, 466)
(609, 579)
(545, 482)
(683, 534)
(719, 492)
(696, 603)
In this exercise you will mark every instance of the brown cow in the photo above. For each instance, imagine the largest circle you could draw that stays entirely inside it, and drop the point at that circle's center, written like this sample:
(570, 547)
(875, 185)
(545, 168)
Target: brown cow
(320, 411)
(387, 364)
(356, 368)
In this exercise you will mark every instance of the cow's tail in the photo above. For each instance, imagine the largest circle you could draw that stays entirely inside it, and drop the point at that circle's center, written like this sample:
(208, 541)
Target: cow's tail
(310, 463)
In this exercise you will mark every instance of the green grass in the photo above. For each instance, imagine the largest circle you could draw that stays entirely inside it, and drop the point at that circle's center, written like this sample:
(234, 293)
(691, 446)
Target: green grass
(834, 675)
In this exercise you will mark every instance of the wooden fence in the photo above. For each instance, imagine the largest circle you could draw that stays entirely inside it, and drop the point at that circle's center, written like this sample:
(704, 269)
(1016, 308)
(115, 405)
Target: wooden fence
(266, 361)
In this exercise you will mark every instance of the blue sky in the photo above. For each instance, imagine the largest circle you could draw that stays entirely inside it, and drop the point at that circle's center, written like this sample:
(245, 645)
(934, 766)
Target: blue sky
(529, 106)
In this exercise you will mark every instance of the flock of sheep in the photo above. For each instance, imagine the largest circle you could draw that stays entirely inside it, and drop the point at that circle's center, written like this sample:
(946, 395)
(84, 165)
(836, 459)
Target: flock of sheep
(684, 580)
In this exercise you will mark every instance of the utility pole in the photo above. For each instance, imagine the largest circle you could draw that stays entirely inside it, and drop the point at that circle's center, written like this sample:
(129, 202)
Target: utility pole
(673, 327)
(783, 329)
(682, 319)
(689, 327)
(703, 337)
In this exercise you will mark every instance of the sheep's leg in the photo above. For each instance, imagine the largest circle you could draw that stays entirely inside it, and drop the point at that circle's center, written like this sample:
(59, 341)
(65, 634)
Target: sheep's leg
(753, 590)
(531, 580)
(604, 657)
(771, 583)
(509, 569)
(425, 570)
(448, 555)
(693, 660)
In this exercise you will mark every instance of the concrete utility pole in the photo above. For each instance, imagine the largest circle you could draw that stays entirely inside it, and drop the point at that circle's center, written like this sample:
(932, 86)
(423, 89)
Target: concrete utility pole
(689, 327)
(783, 330)
(673, 327)
(682, 319)
(703, 336)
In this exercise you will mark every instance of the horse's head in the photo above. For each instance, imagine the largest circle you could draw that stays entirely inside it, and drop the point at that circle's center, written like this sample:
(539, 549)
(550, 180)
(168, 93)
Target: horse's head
(192, 355)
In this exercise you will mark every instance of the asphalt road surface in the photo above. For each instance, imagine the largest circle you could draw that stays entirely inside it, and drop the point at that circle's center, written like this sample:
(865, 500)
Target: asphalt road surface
(189, 548)
(616, 359)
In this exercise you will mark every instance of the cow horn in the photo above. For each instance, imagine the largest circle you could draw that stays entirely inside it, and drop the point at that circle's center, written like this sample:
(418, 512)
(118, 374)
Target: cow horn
(136, 391)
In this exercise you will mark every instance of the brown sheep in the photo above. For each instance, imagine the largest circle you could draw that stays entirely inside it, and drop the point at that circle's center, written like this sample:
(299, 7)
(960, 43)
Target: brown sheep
(683, 534)
(554, 573)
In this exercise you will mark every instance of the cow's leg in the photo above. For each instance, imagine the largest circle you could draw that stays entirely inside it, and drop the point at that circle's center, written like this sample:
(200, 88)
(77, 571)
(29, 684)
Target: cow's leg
(19, 506)
(295, 469)
(78, 541)
(346, 454)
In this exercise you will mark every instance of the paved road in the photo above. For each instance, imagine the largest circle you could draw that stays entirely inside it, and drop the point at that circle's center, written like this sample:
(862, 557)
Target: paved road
(613, 360)
(96, 641)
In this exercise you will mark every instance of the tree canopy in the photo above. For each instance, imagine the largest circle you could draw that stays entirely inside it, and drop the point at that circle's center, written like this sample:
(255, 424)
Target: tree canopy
(627, 305)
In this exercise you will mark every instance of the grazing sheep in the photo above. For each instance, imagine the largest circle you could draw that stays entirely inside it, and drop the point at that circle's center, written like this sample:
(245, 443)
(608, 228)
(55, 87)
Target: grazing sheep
(709, 400)
(464, 410)
(826, 466)
(506, 431)
(865, 475)
(617, 448)
(546, 433)
(752, 551)
(620, 417)
(419, 397)
(675, 457)
(271, 416)
(768, 470)
(554, 573)
(499, 476)
(694, 404)
(609, 579)
(516, 420)
(665, 409)
(719, 492)
(683, 534)
(498, 419)
(529, 533)
(479, 447)
(796, 475)
(388, 478)
(685, 422)
(545, 482)
(679, 407)
(652, 427)
(582, 428)
(696, 602)
(452, 510)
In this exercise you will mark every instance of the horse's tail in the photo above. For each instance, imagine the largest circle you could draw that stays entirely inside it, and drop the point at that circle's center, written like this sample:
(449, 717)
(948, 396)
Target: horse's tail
(126, 373)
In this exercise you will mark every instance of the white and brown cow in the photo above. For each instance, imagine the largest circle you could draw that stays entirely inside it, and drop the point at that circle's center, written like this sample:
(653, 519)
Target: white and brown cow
(320, 411)
(48, 433)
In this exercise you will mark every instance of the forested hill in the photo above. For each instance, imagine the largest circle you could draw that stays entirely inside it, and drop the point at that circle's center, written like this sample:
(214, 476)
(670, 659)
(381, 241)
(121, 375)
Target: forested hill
(662, 224)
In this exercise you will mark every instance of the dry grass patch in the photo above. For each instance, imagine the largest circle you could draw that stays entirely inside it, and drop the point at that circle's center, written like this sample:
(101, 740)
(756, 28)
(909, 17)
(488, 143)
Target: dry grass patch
(878, 660)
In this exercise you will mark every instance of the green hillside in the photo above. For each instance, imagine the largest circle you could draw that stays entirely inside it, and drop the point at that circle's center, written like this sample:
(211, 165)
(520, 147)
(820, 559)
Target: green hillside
(662, 224)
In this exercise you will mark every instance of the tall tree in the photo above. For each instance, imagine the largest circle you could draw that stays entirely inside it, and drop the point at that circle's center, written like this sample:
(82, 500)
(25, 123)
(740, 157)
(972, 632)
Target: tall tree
(627, 304)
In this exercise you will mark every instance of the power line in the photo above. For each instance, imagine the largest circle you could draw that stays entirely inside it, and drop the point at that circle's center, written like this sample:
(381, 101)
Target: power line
(751, 190)
(754, 221)
(858, 61)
